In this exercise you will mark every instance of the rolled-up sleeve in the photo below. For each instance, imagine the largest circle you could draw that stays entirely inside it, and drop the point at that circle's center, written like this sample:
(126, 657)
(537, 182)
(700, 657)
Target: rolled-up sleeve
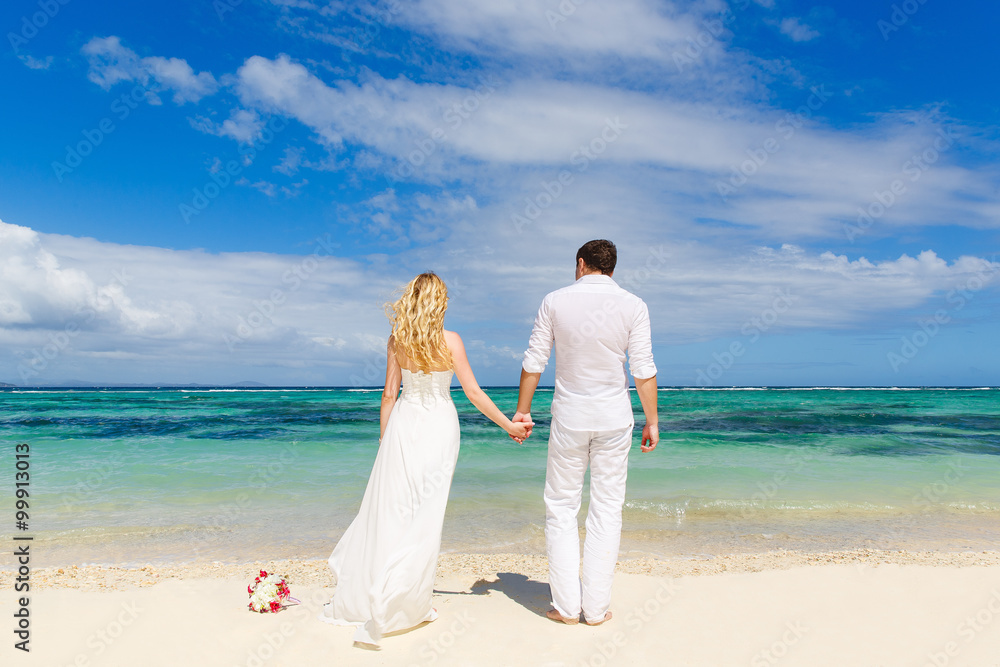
(640, 345)
(536, 357)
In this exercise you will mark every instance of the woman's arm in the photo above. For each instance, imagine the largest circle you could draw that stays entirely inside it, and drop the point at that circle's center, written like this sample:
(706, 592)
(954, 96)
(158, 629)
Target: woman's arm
(475, 394)
(393, 376)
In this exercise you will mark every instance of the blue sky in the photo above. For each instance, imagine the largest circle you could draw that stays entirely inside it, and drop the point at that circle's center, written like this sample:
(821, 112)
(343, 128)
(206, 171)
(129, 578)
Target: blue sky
(229, 191)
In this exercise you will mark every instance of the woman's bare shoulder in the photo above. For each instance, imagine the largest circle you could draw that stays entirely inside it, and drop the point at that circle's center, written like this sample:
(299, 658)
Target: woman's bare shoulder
(454, 343)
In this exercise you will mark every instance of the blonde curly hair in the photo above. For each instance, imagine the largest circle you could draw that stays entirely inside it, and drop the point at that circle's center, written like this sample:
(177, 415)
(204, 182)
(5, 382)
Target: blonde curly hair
(418, 322)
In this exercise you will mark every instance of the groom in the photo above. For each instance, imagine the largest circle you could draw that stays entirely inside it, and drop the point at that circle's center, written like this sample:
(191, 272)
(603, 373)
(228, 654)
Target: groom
(593, 323)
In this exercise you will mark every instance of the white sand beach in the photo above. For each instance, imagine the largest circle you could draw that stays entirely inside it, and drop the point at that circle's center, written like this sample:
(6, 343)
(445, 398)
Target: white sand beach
(871, 608)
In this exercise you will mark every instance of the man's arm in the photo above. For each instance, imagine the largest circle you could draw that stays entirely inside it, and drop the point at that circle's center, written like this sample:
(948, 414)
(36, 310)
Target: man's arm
(646, 388)
(640, 359)
(535, 359)
(526, 392)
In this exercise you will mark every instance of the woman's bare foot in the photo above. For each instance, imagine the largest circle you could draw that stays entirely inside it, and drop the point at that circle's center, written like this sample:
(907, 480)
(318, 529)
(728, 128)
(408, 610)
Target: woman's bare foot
(607, 617)
(554, 615)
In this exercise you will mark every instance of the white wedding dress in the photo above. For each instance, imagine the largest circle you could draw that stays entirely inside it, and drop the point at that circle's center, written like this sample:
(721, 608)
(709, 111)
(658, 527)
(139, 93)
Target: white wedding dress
(384, 564)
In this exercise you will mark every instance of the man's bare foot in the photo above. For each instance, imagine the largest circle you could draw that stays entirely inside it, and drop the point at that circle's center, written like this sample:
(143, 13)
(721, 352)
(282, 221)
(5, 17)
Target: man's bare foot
(554, 615)
(607, 617)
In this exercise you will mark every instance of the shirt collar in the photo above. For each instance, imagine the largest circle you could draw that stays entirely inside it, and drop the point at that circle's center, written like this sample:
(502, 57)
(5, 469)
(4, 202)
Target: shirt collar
(597, 278)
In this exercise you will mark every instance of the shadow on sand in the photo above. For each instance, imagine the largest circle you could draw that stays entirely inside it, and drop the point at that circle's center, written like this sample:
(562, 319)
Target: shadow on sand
(530, 594)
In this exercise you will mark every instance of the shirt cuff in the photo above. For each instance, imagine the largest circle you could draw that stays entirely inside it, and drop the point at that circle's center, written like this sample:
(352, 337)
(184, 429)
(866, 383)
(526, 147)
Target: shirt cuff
(532, 366)
(643, 372)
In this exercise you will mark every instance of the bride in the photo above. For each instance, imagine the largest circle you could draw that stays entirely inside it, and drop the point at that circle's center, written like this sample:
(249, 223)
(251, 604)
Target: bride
(384, 564)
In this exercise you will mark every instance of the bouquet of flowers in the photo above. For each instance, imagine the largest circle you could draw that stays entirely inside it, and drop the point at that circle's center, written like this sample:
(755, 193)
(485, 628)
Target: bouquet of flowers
(267, 593)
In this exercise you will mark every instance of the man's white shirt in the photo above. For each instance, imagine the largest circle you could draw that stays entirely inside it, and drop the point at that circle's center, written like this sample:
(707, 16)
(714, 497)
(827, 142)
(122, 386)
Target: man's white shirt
(593, 324)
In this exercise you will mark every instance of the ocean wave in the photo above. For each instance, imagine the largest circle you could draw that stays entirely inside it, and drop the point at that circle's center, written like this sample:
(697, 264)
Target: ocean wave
(712, 507)
(828, 388)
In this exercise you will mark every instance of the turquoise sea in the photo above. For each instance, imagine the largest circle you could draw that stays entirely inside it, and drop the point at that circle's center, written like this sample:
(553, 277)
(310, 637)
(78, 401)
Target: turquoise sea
(176, 475)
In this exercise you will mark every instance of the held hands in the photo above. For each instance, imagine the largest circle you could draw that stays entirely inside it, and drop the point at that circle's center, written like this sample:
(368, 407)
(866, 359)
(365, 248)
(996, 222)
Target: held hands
(650, 437)
(522, 427)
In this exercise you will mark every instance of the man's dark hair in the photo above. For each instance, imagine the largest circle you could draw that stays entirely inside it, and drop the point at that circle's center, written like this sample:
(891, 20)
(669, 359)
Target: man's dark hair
(599, 254)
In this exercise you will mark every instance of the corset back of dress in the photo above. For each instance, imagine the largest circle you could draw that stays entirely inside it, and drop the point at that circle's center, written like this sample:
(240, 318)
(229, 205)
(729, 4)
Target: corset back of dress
(426, 388)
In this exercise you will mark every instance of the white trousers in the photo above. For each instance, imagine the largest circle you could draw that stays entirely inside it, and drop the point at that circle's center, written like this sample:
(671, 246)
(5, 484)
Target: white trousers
(570, 452)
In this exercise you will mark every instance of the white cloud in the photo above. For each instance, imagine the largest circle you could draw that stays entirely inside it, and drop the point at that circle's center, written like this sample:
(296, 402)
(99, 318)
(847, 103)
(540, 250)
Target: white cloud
(35, 63)
(696, 290)
(290, 161)
(176, 311)
(530, 122)
(152, 312)
(175, 74)
(797, 31)
(38, 291)
(302, 4)
(242, 125)
(628, 28)
(295, 189)
(288, 87)
(742, 162)
(111, 62)
(265, 187)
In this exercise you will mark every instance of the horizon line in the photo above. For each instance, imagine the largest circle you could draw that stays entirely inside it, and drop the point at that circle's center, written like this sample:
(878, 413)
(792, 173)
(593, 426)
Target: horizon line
(258, 386)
